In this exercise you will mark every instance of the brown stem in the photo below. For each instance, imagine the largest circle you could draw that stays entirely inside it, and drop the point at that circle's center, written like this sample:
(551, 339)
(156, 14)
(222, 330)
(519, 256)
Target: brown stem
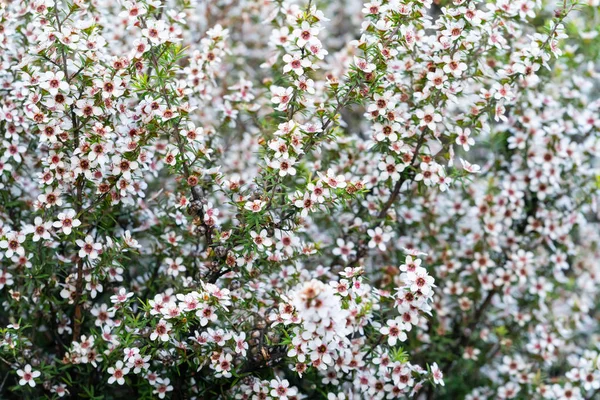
(403, 178)
(79, 193)
(78, 318)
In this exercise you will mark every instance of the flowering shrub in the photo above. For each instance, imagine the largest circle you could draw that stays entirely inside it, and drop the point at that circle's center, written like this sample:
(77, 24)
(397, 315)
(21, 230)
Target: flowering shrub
(287, 199)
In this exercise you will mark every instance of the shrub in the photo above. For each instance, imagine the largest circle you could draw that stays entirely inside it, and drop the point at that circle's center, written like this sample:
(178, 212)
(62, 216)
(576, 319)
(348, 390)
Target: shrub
(299, 199)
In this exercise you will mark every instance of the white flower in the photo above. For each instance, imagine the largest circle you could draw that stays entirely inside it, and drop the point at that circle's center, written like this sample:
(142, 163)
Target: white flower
(161, 331)
(305, 33)
(334, 181)
(305, 202)
(295, 63)
(86, 108)
(13, 244)
(53, 82)
(60, 390)
(305, 84)
(420, 281)
(171, 156)
(224, 365)
(472, 168)
(129, 241)
(437, 375)
(133, 10)
(344, 249)
(118, 373)
(285, 165)
(429, 173)
(241, 346)
(88, 247)
(378, 238)
(140, 46)
(123, 166)
(162, 387)
(255, 206)
(363, 65)
(318, 192)
(260, 239)
(156, 31)
(67, 221)
(280, 389)
(437, 78)
(281, 96)
(5, 279)
(410, 264)
(27, 376)
(122, 295)
(394, 330)
(428, 117)
(174, 267)
(390, 168)
(111, 87)
(139, 363)
(454, 65)
(463, 139)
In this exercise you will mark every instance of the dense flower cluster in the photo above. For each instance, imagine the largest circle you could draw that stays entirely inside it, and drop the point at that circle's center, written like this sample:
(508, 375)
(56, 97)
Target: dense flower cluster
(300, 199)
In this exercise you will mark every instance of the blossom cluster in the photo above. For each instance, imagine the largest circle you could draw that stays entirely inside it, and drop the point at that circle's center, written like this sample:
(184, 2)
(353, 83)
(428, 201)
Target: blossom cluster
(293, 199)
